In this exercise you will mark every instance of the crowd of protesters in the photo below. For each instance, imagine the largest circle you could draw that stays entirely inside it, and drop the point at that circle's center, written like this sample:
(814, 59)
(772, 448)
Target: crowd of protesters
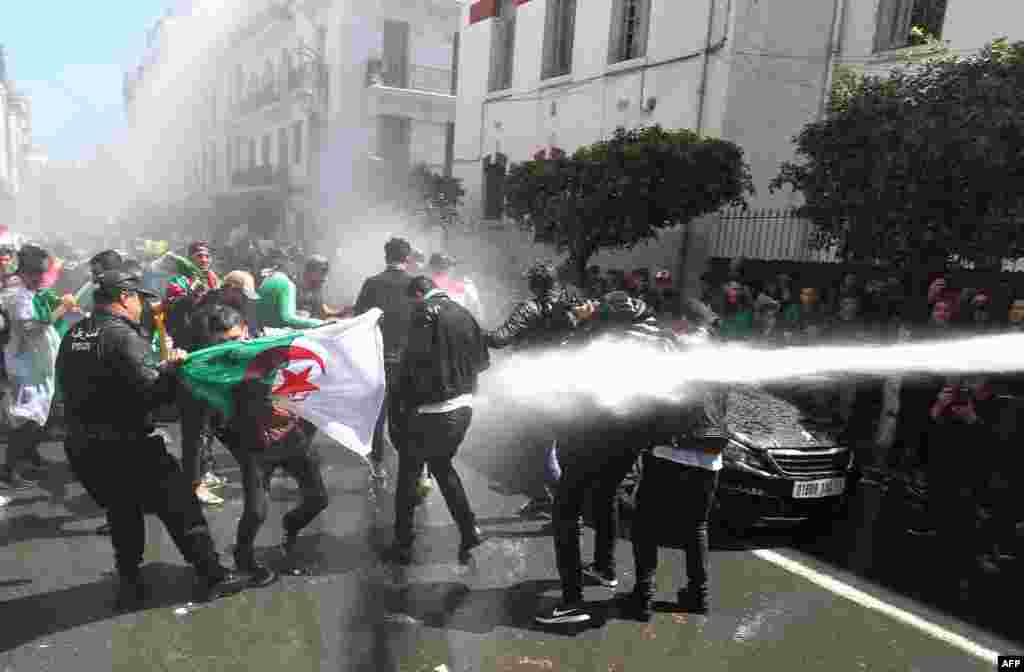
(904, 430)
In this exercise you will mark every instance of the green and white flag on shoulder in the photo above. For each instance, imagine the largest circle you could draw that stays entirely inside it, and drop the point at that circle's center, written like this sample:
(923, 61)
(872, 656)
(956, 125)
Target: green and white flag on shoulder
(333, 376)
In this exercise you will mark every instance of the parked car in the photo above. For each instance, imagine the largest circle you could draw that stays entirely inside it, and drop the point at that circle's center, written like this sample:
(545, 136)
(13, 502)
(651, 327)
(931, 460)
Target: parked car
(781, 466)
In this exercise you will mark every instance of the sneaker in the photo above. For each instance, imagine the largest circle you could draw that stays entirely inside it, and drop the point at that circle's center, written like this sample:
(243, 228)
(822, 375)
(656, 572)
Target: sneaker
(259, 574)
(600, 577)
(212, 480)
(921, 531)
(4, 501)
(12, 480)
(535, 508)
(693, 602)
(637, 605)
(223, 584)
(468, 545)
(206, 497)
(564, 613)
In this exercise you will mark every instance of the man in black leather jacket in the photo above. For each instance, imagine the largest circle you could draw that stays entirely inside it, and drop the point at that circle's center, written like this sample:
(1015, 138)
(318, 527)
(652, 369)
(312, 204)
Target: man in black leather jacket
(545, 320)
(444, 357)
(387, 291)
(112, 383)
(599, 453)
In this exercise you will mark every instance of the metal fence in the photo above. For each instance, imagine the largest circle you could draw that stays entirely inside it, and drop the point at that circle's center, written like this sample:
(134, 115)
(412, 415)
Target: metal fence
(765, 234)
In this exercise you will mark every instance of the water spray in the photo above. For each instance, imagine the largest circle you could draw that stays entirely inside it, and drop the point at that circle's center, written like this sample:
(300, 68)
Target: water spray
(619, 376)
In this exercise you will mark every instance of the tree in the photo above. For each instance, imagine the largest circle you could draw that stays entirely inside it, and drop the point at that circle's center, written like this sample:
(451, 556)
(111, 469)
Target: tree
(434, 197)
(620, 192)
(920, 167)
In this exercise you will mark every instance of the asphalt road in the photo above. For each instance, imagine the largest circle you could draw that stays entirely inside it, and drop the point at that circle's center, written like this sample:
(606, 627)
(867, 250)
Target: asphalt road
(857, 597)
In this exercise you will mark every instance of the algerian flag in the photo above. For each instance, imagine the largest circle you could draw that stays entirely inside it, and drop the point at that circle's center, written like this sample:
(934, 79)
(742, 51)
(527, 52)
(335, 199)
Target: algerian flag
(333, 376)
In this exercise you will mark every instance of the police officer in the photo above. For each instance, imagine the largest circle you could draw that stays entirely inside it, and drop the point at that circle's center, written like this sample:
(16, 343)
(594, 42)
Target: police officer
(111, 383)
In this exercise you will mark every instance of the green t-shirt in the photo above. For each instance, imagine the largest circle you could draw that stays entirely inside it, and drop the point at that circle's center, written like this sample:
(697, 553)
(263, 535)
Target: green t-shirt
(276, 307)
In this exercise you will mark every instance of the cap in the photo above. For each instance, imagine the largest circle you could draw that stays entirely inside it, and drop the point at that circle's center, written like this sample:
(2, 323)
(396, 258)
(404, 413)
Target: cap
(123, 281)
(242, 281)
(199, 247)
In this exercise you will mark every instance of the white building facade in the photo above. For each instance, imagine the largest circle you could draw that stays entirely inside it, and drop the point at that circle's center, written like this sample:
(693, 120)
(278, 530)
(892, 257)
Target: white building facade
(15, 143)
(541, 73)
(290, 102)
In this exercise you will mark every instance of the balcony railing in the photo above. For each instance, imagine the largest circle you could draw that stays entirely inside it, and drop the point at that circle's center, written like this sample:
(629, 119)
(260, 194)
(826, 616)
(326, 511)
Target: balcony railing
(260, 176)
(419, 77)
(257, 100)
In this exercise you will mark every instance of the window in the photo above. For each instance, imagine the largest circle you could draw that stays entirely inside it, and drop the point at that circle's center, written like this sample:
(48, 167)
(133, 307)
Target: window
(503, 41)
(282, 147)
(269, 83)
(286, 66)
(494, 188)
(297, 142)
(897, 18)
(213, 163)
(395, 52)
(252, 153)
(229, 159)
(265, 150)
(630, 25)
(394, 140)
(559, 28)
(239, 84)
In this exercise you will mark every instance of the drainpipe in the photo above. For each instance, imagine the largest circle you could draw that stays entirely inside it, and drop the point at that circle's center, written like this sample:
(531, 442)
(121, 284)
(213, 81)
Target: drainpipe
(705, 67)
(835, 48)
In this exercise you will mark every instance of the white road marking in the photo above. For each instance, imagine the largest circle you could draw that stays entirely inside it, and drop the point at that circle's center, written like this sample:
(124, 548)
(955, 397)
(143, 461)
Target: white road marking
(873, 603)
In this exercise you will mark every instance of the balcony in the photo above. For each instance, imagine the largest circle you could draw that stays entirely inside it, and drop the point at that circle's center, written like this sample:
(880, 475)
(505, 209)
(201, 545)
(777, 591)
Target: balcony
(260, 176)
(421, 92)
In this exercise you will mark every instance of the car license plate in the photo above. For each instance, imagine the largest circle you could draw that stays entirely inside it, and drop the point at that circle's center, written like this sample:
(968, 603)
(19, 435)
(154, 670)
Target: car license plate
(826, 487)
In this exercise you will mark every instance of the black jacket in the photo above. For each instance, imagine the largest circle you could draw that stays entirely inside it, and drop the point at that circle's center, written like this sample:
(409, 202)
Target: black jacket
(108, 375)
(542, 320)
(445, 353)
(388, 291)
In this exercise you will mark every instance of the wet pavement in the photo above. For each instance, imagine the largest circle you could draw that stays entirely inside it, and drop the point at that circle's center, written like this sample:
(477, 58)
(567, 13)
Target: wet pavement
(353, 612)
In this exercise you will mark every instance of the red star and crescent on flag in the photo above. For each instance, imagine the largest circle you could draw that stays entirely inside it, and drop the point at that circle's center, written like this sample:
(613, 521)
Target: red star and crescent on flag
(296, 386)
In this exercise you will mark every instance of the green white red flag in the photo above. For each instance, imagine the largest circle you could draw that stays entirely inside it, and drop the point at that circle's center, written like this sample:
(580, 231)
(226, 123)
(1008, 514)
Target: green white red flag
(333, 376)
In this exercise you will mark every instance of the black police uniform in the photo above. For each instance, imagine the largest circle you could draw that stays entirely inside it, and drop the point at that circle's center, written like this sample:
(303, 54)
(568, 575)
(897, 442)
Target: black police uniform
(111, 384)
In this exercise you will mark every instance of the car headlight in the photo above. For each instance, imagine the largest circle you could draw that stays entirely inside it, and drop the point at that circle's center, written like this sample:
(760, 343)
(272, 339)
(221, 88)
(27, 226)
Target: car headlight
(751, 457)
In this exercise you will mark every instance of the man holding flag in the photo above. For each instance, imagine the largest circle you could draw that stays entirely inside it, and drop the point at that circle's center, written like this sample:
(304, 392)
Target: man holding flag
(271, 392)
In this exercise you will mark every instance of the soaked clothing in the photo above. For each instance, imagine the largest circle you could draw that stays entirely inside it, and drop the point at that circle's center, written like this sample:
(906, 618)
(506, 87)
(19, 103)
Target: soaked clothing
(540, 321)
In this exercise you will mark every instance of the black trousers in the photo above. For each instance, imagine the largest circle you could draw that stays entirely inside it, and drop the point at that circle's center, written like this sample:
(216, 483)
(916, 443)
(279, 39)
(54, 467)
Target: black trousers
(298, 458)
(23, 443)
(432, 439)
(952, 496)
(593, 464)
(157, 485)
(684, 494)
(196, 436)
(389, 416)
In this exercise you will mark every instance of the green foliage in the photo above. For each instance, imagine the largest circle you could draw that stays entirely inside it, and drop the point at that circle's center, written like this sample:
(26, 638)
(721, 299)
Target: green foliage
(434, 197)
(620, 192)
(926, 162)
